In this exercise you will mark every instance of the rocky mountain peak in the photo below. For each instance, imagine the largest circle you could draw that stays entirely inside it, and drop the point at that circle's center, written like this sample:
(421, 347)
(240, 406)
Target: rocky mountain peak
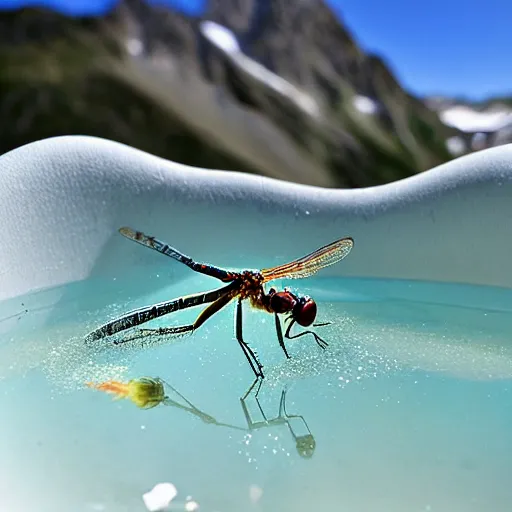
(279, 88)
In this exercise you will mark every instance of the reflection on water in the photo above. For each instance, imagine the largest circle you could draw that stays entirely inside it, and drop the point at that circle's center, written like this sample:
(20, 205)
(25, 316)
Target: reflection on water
(299, 430)
(407, 409)
(144, 392)
(149, 392)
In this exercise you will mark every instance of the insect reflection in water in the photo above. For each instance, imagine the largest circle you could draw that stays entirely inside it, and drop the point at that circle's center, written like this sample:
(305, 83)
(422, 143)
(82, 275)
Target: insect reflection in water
(149, 392)
(145, 392)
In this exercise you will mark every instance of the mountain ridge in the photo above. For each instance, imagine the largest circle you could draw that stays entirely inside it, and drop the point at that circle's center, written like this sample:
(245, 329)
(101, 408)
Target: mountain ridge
(283, 90)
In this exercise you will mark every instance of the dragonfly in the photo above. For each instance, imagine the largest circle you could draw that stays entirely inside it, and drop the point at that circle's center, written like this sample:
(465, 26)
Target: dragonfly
(239, 286)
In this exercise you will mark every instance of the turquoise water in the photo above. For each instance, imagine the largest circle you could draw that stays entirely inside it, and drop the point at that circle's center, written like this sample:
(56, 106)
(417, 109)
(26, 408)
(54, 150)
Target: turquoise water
(410, 405)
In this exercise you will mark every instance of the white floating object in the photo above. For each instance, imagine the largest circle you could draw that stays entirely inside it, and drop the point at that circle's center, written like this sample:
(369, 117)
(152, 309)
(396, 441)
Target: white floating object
(159, 497)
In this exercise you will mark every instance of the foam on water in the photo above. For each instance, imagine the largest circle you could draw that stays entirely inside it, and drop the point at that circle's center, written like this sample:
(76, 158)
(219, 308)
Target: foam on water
(408, 409)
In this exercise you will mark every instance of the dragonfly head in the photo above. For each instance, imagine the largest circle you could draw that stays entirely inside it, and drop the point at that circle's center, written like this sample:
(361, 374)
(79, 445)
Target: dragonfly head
(304, 311)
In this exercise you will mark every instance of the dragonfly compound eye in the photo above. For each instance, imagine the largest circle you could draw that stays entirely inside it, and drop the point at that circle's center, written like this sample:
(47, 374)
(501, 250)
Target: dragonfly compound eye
(282, 302)
(304, 312)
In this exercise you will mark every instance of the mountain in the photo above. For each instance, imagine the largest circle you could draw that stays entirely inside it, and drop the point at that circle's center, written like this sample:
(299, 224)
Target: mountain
(483, 124)
(272, 87)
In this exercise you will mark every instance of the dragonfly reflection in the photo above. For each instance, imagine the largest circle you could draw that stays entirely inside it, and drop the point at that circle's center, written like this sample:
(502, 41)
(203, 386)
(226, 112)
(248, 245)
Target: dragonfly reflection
(149, 392)
(304, 441)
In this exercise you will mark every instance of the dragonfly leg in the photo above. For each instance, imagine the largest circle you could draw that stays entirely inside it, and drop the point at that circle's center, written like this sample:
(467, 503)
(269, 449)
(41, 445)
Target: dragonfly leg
(251, 424)
(248, 352)
(320, 342)
(280, 335)
(258, 381)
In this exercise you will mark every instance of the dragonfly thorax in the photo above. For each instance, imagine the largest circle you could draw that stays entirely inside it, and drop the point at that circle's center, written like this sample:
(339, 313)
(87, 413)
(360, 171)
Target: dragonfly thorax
(282, 302)
(251, 285)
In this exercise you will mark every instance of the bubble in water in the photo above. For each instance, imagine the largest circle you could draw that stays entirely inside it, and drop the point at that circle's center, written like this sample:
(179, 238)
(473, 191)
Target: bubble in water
(191, 506)
(255, 493)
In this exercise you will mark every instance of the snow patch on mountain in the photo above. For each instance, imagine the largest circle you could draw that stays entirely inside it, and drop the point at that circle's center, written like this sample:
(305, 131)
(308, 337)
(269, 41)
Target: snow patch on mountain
(468, 119)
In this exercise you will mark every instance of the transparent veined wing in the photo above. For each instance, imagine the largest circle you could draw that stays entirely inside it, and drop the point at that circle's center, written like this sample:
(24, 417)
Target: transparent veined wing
(312, 263)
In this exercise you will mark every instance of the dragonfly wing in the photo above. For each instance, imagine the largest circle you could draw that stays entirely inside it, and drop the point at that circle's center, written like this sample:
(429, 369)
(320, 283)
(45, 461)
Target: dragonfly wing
(145, 314)
(155, 244)
(312, 263)
(163, 248)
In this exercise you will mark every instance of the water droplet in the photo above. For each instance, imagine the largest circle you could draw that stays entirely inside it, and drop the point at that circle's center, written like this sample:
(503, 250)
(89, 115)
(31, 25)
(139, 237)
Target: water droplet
(191, 506)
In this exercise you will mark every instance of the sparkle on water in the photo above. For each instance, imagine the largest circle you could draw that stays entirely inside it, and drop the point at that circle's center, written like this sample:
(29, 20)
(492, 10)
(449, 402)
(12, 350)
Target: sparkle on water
(408, 409)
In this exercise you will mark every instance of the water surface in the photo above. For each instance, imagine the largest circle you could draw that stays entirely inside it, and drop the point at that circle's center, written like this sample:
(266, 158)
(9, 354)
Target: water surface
(409, 407)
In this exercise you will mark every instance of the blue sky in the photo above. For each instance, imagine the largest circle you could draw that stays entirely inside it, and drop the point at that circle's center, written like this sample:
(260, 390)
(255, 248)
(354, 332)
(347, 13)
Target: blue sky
(447, 46)
(454, 47)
